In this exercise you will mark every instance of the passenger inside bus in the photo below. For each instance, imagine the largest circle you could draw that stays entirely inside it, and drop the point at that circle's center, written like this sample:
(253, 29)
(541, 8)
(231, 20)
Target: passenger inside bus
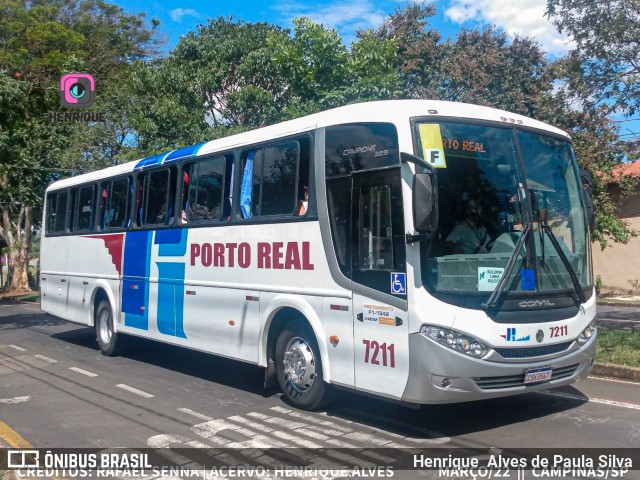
(303, 202)
(185, 199)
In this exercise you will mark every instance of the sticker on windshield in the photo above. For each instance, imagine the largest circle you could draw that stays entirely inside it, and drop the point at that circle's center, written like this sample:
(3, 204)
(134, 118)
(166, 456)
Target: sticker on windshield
(528, 279)
(432, 149)
(488, 278)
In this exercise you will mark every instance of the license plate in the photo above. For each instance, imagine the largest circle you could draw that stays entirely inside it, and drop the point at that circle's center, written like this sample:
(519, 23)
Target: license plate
(535, 375)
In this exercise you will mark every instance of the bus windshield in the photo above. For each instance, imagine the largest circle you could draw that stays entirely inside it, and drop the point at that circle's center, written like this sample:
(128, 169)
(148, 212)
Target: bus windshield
(493, 182)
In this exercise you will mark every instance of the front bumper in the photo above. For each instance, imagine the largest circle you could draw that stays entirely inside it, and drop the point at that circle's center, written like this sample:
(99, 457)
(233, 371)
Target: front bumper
(438, 374)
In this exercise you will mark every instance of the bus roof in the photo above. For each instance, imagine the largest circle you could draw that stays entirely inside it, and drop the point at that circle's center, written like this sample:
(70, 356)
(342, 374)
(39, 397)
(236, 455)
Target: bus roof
(394, 111)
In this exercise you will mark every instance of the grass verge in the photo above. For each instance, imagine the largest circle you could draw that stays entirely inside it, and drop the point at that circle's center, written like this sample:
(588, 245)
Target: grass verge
(619, 347)
(30, 297)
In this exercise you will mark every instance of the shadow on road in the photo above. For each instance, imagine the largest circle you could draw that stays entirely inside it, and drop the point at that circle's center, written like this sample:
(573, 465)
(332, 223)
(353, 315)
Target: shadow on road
(426, 422)
(432, 421)
(195, 364)
(25, 320)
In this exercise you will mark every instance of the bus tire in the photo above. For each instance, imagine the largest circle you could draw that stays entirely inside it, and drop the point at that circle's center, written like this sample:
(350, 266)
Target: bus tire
(299, 369)
(110, 342)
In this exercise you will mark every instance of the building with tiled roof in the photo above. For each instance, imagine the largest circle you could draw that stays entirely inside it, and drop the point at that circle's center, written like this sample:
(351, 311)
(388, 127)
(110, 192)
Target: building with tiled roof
(631, 169)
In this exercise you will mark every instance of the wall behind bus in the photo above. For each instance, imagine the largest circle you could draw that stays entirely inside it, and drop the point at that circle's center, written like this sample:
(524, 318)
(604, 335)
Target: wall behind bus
(619, 264)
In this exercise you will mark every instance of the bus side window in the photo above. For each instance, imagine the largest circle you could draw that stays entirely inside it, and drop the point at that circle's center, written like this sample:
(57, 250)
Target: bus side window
(206, 189)
(274, 179)
(83, 215)
(339, 203)
(114, 203)
(103, 205)
(71, 208)
(279, 174)
(250, 183)
(302, 205)
(156, 197)
(57, 205)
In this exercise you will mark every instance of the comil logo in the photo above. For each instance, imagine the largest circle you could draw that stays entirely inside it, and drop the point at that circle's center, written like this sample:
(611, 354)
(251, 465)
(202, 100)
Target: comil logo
(77, 90)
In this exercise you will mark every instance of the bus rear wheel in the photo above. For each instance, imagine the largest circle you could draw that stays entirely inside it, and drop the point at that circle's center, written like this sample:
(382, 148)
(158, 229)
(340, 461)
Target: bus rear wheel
(299, 369)
(110, 342)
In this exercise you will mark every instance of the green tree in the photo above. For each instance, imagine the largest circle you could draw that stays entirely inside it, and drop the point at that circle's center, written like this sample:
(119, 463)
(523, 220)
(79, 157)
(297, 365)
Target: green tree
(231, 75)
(488, 67)
(606, 48)
(601, 77)
(39, 41)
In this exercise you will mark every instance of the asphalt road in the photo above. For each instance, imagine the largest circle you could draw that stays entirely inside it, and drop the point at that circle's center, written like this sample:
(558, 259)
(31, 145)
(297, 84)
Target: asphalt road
(57, 390)
(619, 317)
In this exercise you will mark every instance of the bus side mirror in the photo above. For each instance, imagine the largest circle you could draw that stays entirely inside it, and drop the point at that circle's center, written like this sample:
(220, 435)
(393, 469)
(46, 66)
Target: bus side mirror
(425, 203)
(586, 181)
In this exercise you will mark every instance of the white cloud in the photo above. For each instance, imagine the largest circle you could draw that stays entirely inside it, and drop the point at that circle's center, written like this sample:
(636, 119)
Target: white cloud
(344, 16)
(179, 13)
(522, 17)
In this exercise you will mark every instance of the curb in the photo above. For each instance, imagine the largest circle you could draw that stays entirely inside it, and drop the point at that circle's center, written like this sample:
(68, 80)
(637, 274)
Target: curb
(616, 371)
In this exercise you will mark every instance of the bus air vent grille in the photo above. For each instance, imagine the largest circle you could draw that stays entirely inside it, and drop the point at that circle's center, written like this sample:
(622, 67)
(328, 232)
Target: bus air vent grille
(528, 352)
(511, 381)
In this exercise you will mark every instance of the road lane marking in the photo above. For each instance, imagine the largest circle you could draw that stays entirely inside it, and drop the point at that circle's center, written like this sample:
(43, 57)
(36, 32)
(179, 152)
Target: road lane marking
(602, 401)
(250, 424)
(166, 440)
(615, 380)
(12, 437)
(134, 390)
(14, 400)
(83, 372)
(20, 349)
(295, 431)
(435, 437)
(201, 416)
(46, 359)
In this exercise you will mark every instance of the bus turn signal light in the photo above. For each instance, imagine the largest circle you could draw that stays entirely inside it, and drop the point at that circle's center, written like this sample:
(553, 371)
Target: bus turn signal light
(334, 340)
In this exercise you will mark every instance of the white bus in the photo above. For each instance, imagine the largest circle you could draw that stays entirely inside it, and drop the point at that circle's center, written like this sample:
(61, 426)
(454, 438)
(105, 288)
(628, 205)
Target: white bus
(334, 250)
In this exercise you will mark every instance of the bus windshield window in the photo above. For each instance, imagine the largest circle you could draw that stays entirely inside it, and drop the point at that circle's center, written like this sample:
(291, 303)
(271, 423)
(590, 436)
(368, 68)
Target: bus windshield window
(557, 203)
(483, 202)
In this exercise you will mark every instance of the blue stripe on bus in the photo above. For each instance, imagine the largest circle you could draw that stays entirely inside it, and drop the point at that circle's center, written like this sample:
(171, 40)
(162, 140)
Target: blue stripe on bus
(171, 289)
(173, 243)
(169, 157)
(183, 153)
(135, 284)
(150, 161)
(171, 299)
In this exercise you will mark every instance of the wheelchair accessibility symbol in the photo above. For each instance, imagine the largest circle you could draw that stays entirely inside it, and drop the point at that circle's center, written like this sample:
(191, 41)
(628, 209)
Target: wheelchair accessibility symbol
(398, 283)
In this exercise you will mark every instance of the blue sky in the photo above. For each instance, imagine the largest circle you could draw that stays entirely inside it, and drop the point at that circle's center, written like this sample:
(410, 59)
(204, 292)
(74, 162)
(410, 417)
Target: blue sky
(524, 17)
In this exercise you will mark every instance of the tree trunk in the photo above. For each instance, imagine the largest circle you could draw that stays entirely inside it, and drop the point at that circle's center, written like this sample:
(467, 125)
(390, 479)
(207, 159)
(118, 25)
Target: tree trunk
(19, 268)
(18, 237)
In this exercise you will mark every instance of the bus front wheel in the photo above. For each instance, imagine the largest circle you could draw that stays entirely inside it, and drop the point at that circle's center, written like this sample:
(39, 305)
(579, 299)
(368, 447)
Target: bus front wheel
(110, 342)
(299, 369)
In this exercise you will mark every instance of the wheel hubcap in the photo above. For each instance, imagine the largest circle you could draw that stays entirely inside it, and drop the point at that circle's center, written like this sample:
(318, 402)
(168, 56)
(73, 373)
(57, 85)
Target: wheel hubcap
(105, 326)
(299, 364)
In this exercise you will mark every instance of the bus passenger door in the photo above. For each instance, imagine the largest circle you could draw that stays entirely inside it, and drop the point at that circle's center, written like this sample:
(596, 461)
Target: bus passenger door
(379, 283)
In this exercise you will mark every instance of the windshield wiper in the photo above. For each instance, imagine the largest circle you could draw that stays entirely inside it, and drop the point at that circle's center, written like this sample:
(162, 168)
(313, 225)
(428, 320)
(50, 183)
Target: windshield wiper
(544, 227)
(494, 299)
(565, 262)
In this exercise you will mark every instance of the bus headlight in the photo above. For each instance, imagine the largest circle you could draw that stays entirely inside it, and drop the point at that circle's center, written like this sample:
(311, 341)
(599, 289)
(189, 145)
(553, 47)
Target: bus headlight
(587, 333)
(455, 341)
